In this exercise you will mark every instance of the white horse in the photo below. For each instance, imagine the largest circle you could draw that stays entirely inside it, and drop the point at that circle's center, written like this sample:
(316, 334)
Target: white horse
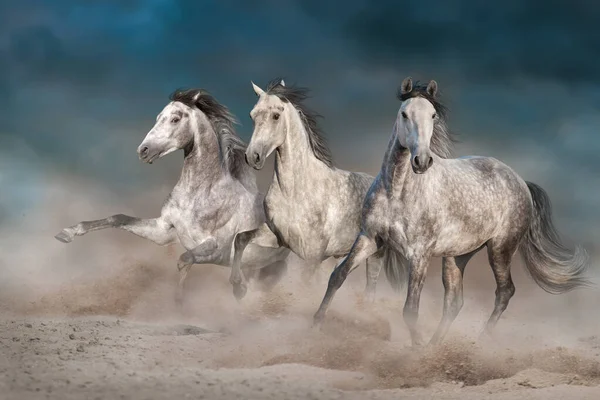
(216, 196)
(312, 207)
(426, 206)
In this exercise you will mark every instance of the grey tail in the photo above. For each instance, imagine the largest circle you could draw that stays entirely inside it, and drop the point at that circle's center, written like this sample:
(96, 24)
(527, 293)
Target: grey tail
(553, 266)
(396, 268)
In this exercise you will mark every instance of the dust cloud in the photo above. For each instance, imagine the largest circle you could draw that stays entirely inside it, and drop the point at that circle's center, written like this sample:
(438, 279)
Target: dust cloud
(116, 287)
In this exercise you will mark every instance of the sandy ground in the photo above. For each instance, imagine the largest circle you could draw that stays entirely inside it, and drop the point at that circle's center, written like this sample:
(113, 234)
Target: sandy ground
(97, 319)
(123, 337)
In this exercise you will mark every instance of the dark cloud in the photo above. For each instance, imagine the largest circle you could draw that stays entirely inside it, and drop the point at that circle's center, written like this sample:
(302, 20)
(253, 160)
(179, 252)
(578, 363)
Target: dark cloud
(81, 82)
(490, 40)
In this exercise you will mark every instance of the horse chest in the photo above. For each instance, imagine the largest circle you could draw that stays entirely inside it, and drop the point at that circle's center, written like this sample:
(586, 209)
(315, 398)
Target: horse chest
(299, 229)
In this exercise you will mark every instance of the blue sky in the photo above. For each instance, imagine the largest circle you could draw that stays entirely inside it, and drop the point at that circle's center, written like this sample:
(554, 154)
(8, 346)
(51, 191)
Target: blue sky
(82, 81)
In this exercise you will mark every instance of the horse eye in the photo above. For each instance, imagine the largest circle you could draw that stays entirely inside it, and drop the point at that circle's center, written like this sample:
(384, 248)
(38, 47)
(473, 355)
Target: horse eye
(175, 120)
(276, 116)
(433, 116)
(404, 115)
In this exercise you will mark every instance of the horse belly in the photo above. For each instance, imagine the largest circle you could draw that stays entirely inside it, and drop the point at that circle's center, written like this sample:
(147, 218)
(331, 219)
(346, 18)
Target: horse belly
(458, 237)
(256, 257)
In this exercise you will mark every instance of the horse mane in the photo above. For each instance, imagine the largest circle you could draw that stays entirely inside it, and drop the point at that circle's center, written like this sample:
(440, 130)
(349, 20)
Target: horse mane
(231, 147)
(443, 139)
(296, 95)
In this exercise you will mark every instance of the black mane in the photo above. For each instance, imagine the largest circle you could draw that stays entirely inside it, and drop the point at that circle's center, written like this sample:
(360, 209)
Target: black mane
(296, 95)
(231, 146)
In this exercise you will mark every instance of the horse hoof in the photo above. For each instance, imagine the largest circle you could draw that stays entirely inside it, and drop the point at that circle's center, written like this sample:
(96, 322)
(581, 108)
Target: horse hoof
(239, 291)
(318, 321)
(65, 236)
(418, 342)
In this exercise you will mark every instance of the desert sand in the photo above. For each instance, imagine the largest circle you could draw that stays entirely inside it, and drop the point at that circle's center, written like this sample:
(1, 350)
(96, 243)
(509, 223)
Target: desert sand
(96, 319)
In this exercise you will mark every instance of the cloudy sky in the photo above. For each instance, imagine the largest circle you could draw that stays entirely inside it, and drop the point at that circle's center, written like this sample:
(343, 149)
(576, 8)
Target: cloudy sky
(82, 81)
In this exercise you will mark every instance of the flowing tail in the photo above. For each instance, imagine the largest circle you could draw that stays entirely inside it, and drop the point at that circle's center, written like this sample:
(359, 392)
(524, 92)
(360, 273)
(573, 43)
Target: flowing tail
(554, 267)
(396, 268)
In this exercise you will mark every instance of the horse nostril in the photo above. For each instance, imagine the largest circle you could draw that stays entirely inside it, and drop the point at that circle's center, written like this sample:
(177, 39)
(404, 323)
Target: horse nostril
(256, 158)
(430, 163)
(144, 151)
(417, 161)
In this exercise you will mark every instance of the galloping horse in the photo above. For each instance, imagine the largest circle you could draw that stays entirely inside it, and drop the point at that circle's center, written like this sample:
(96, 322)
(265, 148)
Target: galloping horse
(422, 206)
(312, 207)
(216, 196)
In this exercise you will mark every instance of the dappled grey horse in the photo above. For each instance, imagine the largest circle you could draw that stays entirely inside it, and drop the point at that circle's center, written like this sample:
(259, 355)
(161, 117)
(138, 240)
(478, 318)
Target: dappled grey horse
(215, 198)
(423, 205)
(312, 207)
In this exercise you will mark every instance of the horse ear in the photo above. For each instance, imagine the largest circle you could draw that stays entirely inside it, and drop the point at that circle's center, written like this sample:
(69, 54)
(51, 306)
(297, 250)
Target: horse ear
(432, 88)
(406, 86)
(282, 83)
(197, 97)
(257, 90)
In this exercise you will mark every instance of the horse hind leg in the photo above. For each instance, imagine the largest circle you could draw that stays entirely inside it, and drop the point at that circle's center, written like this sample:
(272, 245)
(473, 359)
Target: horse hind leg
(453, 270)
(374, 265)
(500, 258)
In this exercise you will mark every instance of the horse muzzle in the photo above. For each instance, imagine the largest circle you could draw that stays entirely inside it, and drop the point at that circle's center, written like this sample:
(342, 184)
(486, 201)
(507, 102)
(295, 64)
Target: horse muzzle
(148, 153)
(421, 163)
(255, 159)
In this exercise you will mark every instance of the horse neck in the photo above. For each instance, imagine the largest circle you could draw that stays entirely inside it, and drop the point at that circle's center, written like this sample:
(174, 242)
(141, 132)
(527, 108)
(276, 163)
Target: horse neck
(295, 157)
(396, 164)
(202, 161)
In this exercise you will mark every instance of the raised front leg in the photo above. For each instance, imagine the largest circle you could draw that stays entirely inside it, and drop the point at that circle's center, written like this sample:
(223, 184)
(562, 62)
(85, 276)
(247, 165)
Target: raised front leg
(262, 237)
(362, 248)
(206, 252)
(157, 230)
(416, 280)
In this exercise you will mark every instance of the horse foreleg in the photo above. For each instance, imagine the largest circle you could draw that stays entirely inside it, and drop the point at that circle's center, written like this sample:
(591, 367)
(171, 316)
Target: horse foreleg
(416, 280)
(156, 229)
(362, 248)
